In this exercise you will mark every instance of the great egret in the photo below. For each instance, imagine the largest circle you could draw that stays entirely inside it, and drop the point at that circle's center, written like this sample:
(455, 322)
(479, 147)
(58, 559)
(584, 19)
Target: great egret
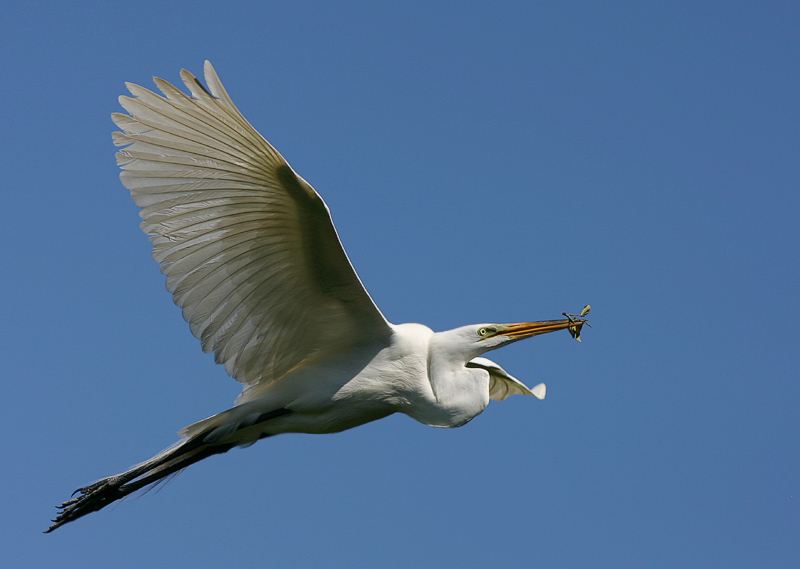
(253, 260)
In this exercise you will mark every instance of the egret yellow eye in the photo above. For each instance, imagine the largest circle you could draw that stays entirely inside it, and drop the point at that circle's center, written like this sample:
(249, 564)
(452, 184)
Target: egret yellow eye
(487, 332)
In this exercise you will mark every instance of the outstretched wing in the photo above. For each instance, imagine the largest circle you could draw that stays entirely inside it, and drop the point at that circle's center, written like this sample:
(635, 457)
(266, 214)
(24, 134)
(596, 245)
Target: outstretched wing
(502, 384)
(248, 247)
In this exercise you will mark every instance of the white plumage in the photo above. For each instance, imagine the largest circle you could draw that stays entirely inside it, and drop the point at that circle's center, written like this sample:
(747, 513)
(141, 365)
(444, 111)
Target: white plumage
(252, 258)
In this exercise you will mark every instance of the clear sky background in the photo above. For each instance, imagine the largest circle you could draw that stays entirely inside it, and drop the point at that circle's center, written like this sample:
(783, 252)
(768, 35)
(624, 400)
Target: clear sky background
(492, 162)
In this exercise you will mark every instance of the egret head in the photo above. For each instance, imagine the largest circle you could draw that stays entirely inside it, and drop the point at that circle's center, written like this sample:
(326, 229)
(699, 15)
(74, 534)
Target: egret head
(493, 336)
(468, 342)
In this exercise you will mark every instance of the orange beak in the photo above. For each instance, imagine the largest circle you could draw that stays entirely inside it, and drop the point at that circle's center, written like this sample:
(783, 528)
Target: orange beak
(528, 329)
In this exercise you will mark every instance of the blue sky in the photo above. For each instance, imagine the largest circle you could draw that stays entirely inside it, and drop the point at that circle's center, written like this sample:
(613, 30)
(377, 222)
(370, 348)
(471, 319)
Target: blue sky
(483, 162)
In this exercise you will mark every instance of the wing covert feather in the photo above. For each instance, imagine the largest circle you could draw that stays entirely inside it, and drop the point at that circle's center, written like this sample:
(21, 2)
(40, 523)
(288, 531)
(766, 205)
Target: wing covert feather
(248, 247)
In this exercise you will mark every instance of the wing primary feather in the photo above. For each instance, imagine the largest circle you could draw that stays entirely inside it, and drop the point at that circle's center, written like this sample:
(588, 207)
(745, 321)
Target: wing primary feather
(248, 248)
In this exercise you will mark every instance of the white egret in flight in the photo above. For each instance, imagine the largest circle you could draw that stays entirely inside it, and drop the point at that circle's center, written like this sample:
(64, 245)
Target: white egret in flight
(253, 260)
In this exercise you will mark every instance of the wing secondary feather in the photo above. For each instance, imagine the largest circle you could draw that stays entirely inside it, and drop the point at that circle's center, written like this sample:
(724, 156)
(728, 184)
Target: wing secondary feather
(248, 247)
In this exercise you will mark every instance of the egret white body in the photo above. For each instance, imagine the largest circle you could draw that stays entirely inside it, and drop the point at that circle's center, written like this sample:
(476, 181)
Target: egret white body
(253, 260)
